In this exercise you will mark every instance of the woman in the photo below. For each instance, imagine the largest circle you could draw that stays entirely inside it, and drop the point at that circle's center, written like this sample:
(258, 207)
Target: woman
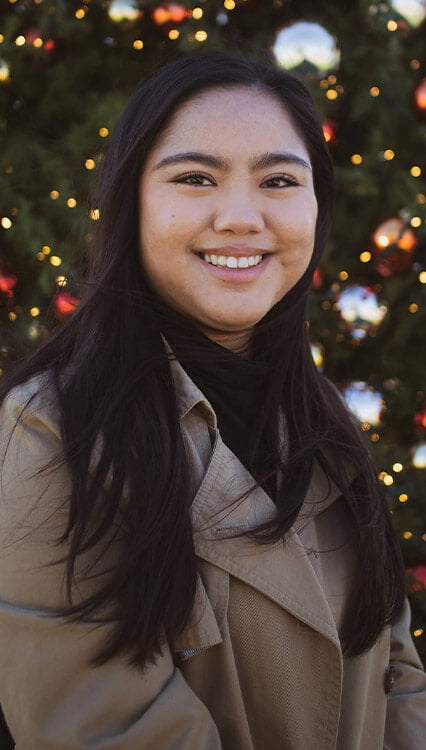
(179, 483)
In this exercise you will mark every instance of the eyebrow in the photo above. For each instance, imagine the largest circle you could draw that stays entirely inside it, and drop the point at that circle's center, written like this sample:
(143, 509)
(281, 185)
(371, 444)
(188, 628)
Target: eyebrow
(216, 162)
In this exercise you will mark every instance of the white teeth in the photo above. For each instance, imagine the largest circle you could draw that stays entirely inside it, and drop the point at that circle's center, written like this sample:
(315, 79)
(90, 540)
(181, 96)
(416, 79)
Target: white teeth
(232, 262)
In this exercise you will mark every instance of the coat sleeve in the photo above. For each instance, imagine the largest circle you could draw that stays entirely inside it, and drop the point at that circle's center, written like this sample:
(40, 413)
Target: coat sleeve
(406, 711)
(51, 695)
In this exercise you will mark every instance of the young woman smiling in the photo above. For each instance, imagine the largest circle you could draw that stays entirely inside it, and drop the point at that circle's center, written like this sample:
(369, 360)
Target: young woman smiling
(195, 551)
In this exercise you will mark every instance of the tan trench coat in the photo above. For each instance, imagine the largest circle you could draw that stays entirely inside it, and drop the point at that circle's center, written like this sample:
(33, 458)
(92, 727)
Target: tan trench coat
(259, 668)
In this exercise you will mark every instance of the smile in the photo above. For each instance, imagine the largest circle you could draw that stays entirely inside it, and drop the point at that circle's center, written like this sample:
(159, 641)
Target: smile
(229, 261)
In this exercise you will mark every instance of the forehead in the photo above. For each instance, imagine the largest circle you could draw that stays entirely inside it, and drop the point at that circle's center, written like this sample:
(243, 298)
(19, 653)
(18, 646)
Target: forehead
(232, 120)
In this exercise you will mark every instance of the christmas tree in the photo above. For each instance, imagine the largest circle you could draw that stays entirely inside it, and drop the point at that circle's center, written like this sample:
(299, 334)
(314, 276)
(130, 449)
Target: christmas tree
(67, 69)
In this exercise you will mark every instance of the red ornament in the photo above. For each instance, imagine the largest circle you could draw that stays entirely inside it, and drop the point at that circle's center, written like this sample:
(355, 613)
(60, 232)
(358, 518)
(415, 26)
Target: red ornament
(32, 34)
(50, 45)
(317, 280)
(329, 129)
(8, 281)
(419, 575)
(420, 418)
(393, 247)
(170, 12)
(64, 303)
(419, 99)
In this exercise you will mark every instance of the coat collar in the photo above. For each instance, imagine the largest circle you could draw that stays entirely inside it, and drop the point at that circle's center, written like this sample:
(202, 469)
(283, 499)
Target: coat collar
(227, 503)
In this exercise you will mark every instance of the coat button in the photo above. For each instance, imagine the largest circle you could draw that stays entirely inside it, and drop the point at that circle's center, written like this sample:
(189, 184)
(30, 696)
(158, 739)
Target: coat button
(389, 679)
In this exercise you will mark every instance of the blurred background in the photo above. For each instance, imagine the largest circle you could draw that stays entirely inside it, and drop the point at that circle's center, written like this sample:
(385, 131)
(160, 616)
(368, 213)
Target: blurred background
(67, 69)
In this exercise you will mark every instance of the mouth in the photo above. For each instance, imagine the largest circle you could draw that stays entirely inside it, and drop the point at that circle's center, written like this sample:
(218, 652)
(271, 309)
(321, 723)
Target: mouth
(231, 261)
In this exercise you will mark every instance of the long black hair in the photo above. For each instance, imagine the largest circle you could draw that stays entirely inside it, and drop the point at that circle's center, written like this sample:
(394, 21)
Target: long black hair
(114, 388)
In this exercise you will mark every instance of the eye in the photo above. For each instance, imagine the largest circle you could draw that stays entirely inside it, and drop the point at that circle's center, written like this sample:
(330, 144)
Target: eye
(279, 181)
(195, 178)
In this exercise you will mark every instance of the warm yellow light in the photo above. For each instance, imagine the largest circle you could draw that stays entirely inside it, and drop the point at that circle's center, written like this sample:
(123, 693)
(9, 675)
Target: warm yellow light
(20, 41)
(46, 250)
(422, 277)
(71, 202)
(415, 171)
(200, 36)
(94, 214)
(407, 535)
(138, 44)
(89, 164)
(197, 13)
(12, 316)
(343, 275)
(54, 194)
(374, 91)
(1, 38)
(403, 498)
(424, 537)
(6, 222)
(340, 88)
(382, 475)
(324, 84)
(55, 260)
(375, 437)
(40, 256)
(229, 4)
(392, 25)
(174, 34)
(103, 132)
(418, 632)
(382, 240)
(365, 256)
(34, 312)
(421, 198)
(397, 467)
(388, 480)
(61, 280)
(416, 221)
(356, 159)
(332, 79)
(389, 154)
(80, 13)
(38, 42)
(332, 94)
(415, 64)
(365, 426)
(413, 307)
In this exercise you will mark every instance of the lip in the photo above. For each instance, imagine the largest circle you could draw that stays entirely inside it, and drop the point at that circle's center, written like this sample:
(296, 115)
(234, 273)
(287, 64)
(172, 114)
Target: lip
(235, 275)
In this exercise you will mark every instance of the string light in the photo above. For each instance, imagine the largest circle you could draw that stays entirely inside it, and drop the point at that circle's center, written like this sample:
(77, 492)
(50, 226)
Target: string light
(388, 154)
(61, 280)
(20, 41)
(375, 437)
(89, 164)
(174, 34)
(103, 132)
(403, 498)
(95, 214)
(137, 44)
(40, 256)
(422, 277)
(80, 13)
(365, 257)
(415, 171)
(407, 535)
(324, 84)
(12, 316)
(374, 91)
(229, 4)
(421, 198)
(200, 36)
(6, 222)
(197, 13)
(46, 250)
(343, 275)
(397, 467)
(332, 79)
(332, 94)
(38, 42)
(55, 260)
(34, 312)
(71, 202)
(416, 221)
(413, 307)
(418, 632)
(415, 64)
(356, 159)
(388, 480)
(54, 194)
(392, 25)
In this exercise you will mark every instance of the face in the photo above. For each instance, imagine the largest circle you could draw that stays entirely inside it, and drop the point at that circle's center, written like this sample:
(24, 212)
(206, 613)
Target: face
(227, 211)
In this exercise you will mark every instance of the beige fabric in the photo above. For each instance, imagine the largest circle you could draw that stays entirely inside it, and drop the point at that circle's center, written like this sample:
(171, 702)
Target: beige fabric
(259, 667)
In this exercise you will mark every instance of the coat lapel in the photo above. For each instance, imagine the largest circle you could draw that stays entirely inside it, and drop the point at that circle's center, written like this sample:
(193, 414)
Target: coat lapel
(225, 506)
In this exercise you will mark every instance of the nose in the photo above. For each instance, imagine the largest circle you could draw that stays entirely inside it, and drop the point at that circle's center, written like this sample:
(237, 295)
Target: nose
(239, 213)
